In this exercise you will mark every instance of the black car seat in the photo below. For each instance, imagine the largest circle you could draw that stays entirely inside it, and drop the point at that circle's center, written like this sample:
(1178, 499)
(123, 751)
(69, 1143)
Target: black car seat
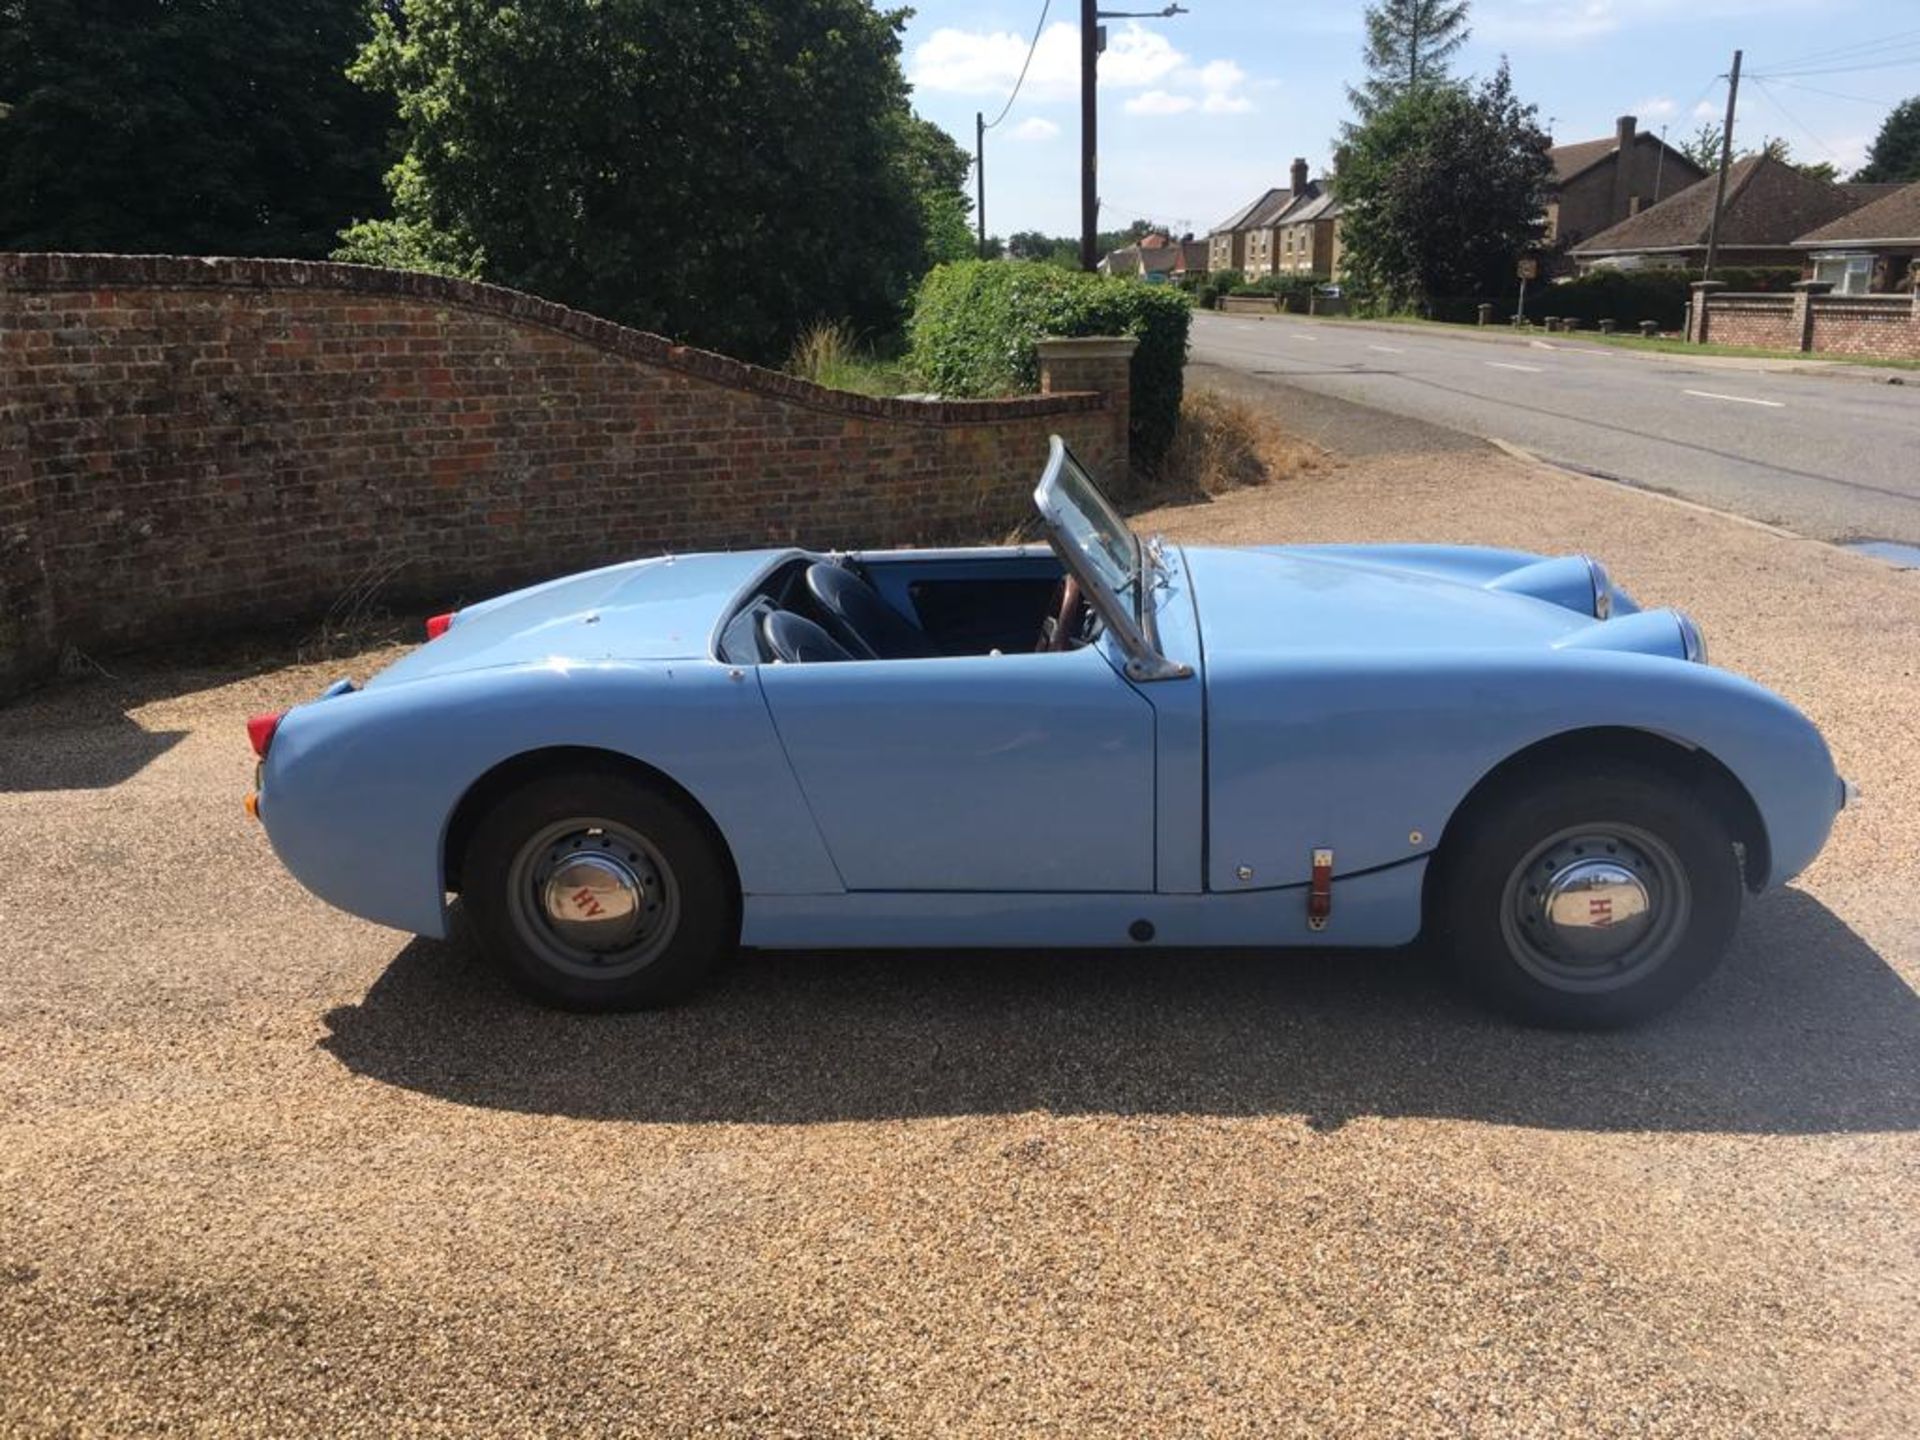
(859, 619)
(796, 640)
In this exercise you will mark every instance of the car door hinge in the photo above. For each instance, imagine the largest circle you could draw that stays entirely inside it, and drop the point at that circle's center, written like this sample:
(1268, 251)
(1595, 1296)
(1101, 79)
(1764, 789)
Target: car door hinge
(1320, 891)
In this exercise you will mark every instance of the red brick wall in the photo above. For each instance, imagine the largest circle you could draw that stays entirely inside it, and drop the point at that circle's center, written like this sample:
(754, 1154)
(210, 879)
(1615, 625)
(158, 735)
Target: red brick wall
(1885, 326)
(186, 445)
(1763, 321)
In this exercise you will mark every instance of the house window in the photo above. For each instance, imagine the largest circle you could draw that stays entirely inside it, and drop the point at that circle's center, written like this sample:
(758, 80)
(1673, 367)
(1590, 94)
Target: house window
(1848, 274)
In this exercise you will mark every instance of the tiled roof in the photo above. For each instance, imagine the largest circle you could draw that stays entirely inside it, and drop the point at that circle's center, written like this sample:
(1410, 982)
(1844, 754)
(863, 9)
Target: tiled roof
(1894, 216)
(1193, 255)
(1569, 160)
(1580, 156)
(1319, 205)
(1768, 203)
(1238, 220)
(1270, 209)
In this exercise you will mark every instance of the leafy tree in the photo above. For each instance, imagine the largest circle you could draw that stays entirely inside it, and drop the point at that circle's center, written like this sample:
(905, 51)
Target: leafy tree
(1895, 155)
(725, 173)
(1702, 147)
(938, 168)
(1408, 45)
(186, 126)
(1704, 150)
(1443, 190)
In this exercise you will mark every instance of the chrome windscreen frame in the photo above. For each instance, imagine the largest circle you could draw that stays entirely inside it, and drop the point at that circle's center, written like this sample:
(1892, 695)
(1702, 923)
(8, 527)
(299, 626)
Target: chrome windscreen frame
(1133, 629)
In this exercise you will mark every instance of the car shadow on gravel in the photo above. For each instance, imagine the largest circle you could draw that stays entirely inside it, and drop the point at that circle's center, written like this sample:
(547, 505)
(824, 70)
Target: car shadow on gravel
(1806, 1030)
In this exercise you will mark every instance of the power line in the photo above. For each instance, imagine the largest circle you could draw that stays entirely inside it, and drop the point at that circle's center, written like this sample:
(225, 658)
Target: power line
(1024, 67)
(1766, 94)
(1857, 47)
(1908, 56)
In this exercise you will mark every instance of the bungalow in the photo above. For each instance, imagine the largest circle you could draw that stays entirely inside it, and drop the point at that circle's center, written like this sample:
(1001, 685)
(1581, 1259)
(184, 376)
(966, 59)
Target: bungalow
(1770, 205)
(1151, 258)
(1874, 249)
(1599, 183)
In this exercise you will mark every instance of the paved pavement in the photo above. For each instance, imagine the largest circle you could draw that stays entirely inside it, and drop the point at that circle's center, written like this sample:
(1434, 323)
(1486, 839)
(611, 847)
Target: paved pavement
(1836, 457)
(266, 1169)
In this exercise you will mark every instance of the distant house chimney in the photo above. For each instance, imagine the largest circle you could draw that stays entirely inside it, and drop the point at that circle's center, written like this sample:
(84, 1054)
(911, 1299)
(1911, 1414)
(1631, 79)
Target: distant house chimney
(1299, 175)
(1624, 162)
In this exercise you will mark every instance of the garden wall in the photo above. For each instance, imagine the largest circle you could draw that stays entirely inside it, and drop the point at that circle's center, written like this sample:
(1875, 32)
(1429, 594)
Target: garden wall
(1811, 320)
(189, 445)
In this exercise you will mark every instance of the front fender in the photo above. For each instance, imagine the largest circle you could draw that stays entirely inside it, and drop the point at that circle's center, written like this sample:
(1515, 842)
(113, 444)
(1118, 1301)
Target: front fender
(1370, 757)
(358, 789)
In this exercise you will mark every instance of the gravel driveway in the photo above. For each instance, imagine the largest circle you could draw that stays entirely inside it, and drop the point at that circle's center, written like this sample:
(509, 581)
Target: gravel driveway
(267, 1169)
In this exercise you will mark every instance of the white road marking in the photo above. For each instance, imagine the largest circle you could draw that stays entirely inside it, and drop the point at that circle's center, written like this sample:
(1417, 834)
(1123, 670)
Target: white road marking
(1542, 345)
(1503, 365)
(1310, 339)
(1736, 399)
(1387, 349)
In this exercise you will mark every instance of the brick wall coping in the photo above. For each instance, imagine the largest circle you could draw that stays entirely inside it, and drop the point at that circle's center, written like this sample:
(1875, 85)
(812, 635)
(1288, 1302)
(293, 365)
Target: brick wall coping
(50, 271)
(1087, 347)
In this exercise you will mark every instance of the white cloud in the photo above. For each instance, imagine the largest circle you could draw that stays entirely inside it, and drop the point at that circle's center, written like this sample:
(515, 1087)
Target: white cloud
(1160, 102)
(1217, 103)
(1707, 110)
(1034, 128)
(1217, 76)
(980, 62)
(1657, 108)
(1137, 57)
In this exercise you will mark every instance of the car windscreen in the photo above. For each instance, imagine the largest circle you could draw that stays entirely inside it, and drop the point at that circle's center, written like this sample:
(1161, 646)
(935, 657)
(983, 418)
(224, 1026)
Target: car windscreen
(1082, 517)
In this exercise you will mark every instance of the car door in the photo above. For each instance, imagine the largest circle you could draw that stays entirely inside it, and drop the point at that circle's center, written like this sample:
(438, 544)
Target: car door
(980, 773)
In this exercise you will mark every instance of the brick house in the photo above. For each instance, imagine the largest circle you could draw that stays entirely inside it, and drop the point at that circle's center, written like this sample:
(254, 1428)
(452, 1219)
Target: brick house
(1227, 241)
(1599, 183)
(1770, 205)
(1307, 235)
(1872, 250)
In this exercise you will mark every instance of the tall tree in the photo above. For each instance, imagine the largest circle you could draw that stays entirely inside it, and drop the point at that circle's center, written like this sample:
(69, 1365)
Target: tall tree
(1409, 43)
(1895, 155)
(1703, 148)
(726, 172)
(191, 126)
(1443, 190)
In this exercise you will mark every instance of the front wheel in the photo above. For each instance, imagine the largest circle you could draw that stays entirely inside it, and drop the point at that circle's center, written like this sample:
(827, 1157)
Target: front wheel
(1587, 902)
(597, 892)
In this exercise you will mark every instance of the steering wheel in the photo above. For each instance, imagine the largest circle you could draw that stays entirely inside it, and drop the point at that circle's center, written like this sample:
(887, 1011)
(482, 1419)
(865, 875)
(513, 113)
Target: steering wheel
(1059, 634)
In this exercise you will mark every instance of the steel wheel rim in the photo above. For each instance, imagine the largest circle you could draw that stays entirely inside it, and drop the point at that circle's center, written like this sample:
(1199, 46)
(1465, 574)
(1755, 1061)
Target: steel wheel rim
(577, 925)
(1551, 913)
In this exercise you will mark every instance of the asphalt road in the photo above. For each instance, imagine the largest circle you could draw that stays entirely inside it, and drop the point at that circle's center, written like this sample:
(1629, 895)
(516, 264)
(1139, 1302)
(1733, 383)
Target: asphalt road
(1832, 456)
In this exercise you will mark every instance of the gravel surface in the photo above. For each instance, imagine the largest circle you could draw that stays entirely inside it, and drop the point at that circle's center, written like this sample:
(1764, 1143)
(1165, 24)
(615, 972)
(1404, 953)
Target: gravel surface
(266, 1169)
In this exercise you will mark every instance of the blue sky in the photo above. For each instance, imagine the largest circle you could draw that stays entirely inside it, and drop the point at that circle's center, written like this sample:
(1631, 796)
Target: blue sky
(1202, 112)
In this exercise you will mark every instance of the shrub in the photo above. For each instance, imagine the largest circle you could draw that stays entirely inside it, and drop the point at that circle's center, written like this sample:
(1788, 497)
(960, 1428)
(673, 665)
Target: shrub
(976, 324)
(1226, 443)
(1631, 296)
(829, 353)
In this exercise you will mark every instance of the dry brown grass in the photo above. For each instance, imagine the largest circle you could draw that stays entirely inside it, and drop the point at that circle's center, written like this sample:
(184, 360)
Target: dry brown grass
(1225, 443)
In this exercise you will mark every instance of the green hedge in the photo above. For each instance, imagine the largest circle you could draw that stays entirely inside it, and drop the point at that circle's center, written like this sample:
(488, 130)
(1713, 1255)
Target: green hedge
(1629, 296)
(976, 323)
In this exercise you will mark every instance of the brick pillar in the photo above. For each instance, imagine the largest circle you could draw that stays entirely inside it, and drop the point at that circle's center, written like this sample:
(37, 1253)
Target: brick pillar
(1698, 324)
(1803, 293)
(1102, 365)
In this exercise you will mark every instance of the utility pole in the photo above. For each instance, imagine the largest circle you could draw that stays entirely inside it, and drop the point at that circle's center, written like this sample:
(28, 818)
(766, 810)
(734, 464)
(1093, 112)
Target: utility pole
(1093, 40)
(1726, 159)
(980, 177)
(1090, 37)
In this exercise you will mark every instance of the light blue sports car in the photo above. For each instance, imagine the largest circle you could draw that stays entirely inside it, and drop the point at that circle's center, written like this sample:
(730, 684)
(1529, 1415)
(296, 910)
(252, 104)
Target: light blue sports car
(1096, 742)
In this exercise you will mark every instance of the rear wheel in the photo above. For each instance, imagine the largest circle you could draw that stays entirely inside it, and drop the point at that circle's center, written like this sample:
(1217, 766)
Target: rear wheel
(1587, 902)
(598, 892)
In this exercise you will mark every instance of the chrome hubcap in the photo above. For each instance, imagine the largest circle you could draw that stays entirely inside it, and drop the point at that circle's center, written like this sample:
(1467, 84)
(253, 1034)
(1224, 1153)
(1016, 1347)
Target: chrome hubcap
(593, 898)
(1596, 907)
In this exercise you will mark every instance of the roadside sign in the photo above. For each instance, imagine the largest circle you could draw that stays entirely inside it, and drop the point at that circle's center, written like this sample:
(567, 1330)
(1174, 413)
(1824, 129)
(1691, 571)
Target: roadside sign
(1528, 268)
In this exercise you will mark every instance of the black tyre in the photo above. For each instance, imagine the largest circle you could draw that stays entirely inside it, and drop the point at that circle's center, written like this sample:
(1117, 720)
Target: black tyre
(598, 892)
(1587, 902)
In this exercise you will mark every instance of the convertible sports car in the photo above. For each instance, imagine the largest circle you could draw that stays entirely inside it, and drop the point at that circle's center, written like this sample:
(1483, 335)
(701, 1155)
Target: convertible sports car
(1097, 742)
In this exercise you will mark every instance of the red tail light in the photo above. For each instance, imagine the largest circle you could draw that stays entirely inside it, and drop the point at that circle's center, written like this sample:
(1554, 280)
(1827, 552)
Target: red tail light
(437, 625)
(260, 730)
